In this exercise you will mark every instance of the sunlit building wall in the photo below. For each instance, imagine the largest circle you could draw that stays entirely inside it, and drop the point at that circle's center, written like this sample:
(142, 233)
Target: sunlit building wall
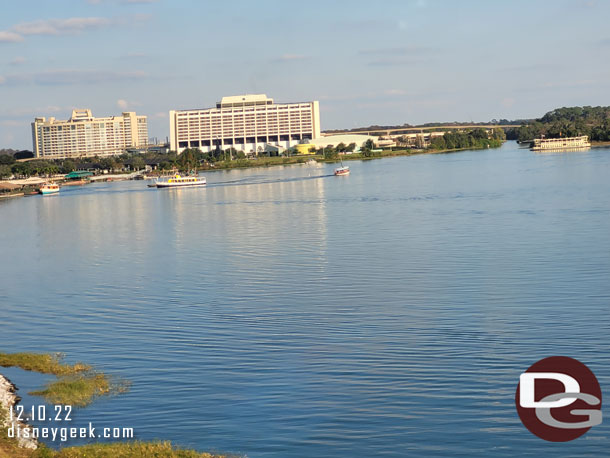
(84, 135)
(244, 122)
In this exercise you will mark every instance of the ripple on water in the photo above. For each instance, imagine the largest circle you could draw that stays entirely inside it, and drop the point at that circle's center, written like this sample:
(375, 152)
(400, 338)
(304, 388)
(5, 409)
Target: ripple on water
(277, 313)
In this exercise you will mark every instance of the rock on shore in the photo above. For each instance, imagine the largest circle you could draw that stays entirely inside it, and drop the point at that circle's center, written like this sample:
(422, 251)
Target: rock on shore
(8, 400)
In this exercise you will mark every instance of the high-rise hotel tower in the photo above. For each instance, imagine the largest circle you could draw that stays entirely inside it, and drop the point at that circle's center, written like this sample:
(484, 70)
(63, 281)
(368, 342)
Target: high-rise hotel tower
(245, 122)
(83, 135)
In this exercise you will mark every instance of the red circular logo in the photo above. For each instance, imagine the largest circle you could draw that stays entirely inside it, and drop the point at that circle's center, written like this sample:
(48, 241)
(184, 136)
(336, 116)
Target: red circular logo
(559, 399)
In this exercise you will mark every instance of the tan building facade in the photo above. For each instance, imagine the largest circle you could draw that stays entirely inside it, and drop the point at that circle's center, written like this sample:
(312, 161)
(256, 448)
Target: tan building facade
(245, 122)
(83, 135)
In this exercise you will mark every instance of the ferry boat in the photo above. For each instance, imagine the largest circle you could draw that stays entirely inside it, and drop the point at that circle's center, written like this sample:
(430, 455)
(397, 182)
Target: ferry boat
(546, 144)
(342, 171)
(177, 181)
(49, 188)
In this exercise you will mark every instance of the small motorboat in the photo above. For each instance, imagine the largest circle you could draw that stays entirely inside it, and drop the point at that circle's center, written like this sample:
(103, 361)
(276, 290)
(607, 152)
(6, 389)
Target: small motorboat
(342, 171)
(49, 188)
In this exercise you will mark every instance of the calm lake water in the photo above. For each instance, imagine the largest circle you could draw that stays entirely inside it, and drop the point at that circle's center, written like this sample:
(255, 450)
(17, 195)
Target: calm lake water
(285, 312)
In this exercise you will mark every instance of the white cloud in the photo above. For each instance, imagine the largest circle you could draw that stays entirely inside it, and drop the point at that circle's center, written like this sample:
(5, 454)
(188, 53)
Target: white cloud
(73, 25)
(60, 26)
(29, 112)
(6, 36)
(69, 76)
(122, 104)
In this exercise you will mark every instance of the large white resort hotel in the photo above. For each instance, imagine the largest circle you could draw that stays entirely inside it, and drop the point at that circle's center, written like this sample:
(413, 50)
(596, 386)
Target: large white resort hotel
(83, 135)
(250, 123)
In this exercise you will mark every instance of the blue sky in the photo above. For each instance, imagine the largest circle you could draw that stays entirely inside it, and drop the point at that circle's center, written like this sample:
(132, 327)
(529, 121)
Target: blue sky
(384, 62)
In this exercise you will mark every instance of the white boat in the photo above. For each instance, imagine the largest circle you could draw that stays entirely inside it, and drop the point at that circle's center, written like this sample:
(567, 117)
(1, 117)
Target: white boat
(177, 181)
(49, 188)
(547, 144)
(342, 171)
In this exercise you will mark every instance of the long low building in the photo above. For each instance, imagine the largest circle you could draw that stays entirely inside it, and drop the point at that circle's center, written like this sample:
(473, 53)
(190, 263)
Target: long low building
(245, 122)
(84, 135)
(335, 140)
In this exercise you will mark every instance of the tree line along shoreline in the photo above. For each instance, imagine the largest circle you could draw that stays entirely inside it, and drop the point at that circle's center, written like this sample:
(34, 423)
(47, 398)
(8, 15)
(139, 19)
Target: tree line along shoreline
(194, 159)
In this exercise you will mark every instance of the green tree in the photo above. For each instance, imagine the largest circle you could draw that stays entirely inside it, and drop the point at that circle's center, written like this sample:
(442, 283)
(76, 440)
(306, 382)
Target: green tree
(189, 159)
(108, 163)
(23, 169)
(498, 134)
(230, 153)
(165, 165)
(7, 159)
(479, 133)
(68, 166)
(438, 143)
(137, 163)
(5, 171)
(330, 153)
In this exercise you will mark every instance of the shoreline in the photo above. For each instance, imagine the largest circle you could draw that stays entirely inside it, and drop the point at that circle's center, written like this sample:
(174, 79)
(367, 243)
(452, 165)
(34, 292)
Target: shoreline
(8, 400)
(30, 447)
(596, 144)
(265, 162)
(295, 160)
(241, 164)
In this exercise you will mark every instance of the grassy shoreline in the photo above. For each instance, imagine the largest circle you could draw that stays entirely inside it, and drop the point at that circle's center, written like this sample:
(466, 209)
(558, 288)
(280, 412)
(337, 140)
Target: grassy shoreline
(78, 385)
(291, 160)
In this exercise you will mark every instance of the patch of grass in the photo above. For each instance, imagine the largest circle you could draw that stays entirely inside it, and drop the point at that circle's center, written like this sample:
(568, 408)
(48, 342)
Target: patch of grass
(77, 384)
(44, 363)
(80, 390)
(136, 449)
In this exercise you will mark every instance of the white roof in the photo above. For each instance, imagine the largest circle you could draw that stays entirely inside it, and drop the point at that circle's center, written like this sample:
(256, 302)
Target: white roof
(245, 98)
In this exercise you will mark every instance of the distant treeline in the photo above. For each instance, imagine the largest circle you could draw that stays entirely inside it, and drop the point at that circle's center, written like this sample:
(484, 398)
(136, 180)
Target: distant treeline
(566, 122)
(493, 122)
(46, 167)
(7, 151)
(476, 138)
(189, 159)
